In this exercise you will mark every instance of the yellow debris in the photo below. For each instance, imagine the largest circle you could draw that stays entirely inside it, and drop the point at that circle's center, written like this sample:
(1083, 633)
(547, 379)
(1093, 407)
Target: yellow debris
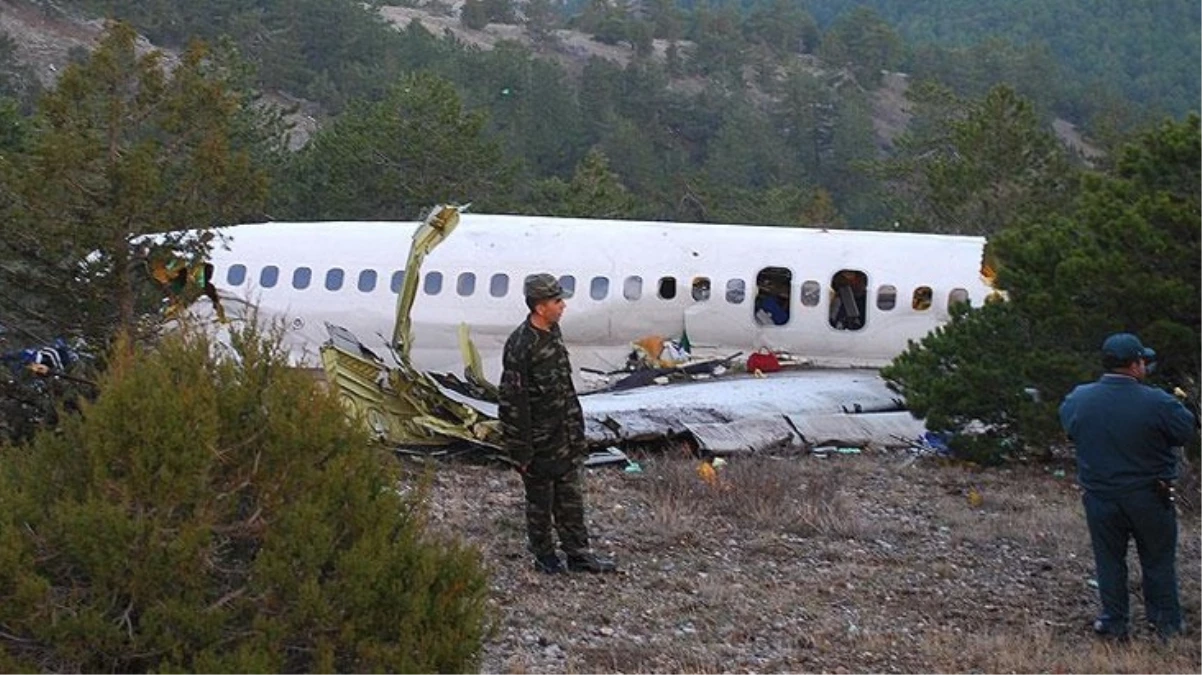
(975, 498)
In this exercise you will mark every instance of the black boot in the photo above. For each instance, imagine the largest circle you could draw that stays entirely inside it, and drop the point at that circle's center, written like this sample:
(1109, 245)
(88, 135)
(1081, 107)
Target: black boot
(587, 562)
(549, 563)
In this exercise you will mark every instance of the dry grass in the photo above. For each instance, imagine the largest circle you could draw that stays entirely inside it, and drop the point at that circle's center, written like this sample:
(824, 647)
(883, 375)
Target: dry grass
(846, 564)
(756, 493)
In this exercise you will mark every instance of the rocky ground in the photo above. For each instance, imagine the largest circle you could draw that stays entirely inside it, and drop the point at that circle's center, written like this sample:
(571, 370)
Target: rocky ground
(852, 563)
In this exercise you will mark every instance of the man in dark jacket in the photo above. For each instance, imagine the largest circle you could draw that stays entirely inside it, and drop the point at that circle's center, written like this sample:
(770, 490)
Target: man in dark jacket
(1127, 435)
(543, 429)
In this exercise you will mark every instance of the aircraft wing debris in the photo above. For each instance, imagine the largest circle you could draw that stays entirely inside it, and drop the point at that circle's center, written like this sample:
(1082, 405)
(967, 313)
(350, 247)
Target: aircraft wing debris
(740, 413)
(897, 429)
(757, 434)
(404, 406)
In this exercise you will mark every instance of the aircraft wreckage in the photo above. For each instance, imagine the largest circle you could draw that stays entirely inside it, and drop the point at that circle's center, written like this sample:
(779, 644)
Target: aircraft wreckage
(727, 412)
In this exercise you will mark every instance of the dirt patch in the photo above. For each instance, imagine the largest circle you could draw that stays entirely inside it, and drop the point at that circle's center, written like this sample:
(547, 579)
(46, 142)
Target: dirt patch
(1068, 134)
(571, 49)
(44, 38)
(848, 564)
(890, 109)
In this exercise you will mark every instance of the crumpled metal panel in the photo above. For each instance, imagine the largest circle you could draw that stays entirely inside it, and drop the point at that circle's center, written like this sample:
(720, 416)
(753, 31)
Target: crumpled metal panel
(759, 434)
(654, 412)
(878, 430)
(402, 405)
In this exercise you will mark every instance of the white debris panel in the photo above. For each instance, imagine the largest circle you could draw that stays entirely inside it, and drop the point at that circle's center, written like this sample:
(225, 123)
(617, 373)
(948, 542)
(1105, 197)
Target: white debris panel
(741, 413)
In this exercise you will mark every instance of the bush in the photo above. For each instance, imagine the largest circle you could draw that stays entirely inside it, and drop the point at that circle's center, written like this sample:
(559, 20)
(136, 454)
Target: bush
(213, 510)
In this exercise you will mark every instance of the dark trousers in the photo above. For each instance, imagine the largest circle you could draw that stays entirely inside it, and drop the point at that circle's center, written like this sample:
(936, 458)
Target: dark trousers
(555, 501)
(1144, 515)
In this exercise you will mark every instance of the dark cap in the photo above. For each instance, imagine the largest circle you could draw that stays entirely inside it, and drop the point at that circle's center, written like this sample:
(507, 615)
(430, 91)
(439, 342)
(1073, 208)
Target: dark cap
(1125, 348)
(543, 287)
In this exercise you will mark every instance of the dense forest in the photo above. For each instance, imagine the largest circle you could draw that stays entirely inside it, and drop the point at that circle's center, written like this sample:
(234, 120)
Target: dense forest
(760, 112)
(1099, 46)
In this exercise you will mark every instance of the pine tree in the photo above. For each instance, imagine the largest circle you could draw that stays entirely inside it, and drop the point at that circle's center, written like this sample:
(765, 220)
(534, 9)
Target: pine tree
(123, 148)
(216, 511)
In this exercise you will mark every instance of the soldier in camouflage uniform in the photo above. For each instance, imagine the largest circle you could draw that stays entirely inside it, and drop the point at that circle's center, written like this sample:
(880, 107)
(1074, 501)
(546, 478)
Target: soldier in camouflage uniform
(543, 429)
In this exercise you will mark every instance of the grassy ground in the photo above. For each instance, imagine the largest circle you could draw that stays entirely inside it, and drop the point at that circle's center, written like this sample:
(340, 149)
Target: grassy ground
(855, 563)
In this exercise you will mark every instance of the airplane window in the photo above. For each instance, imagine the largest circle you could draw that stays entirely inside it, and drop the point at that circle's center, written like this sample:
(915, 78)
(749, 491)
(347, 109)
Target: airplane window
(849, 299)
(773, 295)
(466, 284)
(301, 277)
(236, 275)
(811, 293)
(498, 286)
(568, 283)
(433, 284)
(633, 288)
(922, 298)
(398, 278)
(334, 279)
(886, 297)
(958, 295)
(599, 288)
(367, 281)
(736, 290)
(268, 276)
(701, 289)
(667, 288)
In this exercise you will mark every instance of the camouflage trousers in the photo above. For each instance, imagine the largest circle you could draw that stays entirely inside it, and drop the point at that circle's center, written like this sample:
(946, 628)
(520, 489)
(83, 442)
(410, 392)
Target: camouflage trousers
(556, 501)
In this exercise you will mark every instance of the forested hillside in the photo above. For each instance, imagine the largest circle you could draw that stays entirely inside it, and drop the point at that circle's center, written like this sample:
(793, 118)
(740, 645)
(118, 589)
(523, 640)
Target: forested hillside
(770, 112)
(1147, 51)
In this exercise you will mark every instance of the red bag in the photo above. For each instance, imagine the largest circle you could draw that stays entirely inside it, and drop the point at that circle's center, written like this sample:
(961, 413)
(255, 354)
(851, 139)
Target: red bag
(763, 361)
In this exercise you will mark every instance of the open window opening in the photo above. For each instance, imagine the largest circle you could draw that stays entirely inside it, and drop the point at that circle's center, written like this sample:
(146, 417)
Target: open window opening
(849, 299)
(701, 289)
(921, 301)
(773, 294)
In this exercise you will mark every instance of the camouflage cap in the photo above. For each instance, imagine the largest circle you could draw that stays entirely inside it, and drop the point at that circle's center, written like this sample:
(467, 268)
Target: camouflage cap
(543, 287)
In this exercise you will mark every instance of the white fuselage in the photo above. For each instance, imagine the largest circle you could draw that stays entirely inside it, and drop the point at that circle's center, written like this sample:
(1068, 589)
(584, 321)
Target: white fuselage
(630, 280)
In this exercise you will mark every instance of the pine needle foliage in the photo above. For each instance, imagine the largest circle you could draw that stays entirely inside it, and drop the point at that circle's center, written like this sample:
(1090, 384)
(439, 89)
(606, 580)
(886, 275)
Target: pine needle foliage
(214, 511)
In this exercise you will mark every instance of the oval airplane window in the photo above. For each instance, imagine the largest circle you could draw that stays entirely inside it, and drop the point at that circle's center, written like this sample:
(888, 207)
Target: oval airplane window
(466, 284)
(398, 279)
(367, 281)
(598, 288)
(301, 277)
(433, 285)
(667, 288)
(701, 289)
(811, 293)
(334, 279)
(736, 290)
(268, 276)
(922, 299)
(568, 283)
(236, 275)
(957, 296)
(498, 286)
(633, 288)
(886, 297)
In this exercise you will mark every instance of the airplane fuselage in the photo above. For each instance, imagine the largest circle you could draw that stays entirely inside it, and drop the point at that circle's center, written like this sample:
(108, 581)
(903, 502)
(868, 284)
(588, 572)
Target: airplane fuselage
(835, 297)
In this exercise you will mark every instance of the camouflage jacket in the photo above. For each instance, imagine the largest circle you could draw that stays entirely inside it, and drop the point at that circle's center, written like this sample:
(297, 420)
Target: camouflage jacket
(541, 420)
